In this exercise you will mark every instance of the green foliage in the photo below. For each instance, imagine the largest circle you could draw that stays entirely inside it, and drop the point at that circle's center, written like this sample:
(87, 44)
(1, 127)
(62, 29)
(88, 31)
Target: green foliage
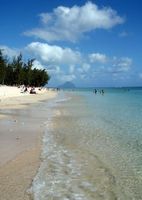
(3, 63)
(18, 72)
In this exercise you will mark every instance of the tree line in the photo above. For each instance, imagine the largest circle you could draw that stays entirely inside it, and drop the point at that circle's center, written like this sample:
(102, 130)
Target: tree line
(17, 72)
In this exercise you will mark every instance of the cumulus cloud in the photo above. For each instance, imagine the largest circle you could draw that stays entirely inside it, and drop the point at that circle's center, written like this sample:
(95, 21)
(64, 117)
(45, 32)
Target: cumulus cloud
(54, 69)
(66, 64)
(71, 69)
(59, 74)
(9, 51)
(84, 68)
(53, 54)
(67, 77)
(38, 65)
(114, 68)
(70, 24)
(60, 62)
(122, 64)
(97, 57)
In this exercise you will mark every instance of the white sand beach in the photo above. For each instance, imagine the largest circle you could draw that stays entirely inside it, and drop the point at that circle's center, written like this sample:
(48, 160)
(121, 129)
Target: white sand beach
(20, 140)
(12, 97)
(13, 91)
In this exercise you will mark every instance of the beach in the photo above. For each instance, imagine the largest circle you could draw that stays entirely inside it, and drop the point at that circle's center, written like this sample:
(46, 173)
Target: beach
(22, 122)
(66, 147)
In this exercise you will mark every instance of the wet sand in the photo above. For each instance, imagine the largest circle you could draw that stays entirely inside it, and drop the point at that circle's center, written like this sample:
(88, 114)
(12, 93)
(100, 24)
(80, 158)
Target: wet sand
(22, 123)
(16, 176)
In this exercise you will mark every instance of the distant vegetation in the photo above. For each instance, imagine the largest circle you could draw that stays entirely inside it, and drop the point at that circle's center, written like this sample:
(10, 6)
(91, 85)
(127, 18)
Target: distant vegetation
(17, 72)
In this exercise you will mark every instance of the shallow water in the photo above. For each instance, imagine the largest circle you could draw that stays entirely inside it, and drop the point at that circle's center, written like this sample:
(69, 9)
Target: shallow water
(92, 148)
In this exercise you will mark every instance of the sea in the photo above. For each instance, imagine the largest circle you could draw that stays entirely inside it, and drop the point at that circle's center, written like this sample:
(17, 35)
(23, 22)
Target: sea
(92, 146)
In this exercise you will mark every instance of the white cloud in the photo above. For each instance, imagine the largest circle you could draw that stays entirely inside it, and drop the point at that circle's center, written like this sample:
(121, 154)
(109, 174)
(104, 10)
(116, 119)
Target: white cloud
(45, 18)
(84, 68)
(114, 68)
(65, 64)
(38, 65)
(122, 64)
(59, 75)
(60, 62)
(97, 57)
(9, 51)
(55, 72)
(67, 77)
(71, 69)
(53, 69)
(53, 54)
(66, 23)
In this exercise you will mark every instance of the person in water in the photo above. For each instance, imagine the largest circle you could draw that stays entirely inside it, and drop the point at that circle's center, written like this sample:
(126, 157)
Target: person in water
(102, 91)
(95, 91)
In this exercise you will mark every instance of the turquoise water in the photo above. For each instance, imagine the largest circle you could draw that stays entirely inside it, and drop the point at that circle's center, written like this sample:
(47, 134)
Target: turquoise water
(92, 148)
(118, 117)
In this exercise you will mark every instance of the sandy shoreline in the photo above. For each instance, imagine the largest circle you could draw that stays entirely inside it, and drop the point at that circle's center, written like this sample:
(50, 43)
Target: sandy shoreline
(22, 124)
(20, 100)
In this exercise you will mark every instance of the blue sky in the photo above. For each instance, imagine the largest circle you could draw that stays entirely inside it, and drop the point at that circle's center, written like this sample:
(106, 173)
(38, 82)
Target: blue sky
(91, 43)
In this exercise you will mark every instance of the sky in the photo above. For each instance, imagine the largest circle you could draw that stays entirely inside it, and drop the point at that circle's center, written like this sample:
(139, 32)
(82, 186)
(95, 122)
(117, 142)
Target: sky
(90, 43)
